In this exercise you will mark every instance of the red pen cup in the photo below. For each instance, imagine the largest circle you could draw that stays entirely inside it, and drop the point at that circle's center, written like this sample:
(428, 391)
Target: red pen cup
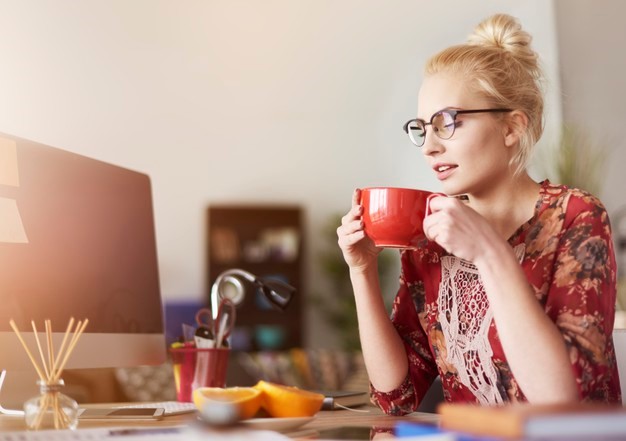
(194, 368)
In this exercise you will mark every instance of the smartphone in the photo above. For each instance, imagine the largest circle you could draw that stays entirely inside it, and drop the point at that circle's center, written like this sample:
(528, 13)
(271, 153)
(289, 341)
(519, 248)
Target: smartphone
(110, 413)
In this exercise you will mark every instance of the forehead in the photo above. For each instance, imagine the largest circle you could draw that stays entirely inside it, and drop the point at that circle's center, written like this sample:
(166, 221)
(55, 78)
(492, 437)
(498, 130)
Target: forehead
(444, 90)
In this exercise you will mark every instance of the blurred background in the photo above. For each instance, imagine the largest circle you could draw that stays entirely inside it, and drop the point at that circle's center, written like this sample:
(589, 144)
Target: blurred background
(286, 103)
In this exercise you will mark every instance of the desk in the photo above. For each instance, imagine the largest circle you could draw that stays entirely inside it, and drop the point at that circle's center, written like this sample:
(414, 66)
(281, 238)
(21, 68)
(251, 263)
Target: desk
(374, 417)
(9, 423)
(379, 423)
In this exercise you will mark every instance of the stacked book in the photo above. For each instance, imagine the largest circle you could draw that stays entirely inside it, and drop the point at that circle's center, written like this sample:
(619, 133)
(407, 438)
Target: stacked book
(571, 422)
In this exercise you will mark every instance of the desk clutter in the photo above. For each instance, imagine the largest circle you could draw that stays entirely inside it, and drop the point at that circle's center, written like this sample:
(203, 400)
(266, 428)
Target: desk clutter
(191, 433)
(266, 240)
(315, 368)
(51, 409)
(201, 358)
(571, 421)
(228, 406)
(520, 421)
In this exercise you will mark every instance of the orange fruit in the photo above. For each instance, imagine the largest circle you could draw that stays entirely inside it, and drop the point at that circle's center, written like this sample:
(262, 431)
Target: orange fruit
(287, 401)
(246, 399)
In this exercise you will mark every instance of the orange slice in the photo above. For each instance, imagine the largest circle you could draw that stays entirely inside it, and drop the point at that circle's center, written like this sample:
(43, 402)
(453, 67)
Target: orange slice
(287, 401)
(246, 399)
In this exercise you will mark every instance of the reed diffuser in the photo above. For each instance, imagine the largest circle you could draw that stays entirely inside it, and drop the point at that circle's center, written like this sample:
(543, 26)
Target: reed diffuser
(51, 409)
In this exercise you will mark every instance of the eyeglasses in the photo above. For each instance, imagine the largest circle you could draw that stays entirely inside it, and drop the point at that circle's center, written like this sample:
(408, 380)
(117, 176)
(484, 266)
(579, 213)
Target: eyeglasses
(443, 123)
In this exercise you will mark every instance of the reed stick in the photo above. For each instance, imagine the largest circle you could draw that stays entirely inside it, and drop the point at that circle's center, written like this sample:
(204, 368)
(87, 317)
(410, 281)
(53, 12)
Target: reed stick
(32, 359)
(50, 344)
(43, 358)
(80, 328)
(67, 333)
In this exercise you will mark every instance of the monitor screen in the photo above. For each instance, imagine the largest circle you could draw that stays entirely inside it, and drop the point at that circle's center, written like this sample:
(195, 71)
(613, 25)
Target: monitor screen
(77, 239)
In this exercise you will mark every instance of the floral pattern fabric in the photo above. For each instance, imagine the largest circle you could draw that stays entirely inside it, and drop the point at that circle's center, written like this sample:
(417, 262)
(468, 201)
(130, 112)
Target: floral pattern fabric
(568, 259)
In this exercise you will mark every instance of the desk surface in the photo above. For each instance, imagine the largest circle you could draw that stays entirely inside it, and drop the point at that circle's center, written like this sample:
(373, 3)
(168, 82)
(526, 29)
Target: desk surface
(374, 418)
(326, 423)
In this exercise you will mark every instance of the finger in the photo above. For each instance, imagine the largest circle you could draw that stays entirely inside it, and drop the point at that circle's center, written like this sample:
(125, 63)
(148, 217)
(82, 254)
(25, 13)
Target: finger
(585, 343)
(428, 199)
(429, 233)
(436, 202)
(571, 326)
(354, 226)
(352, 215)
(346, 242)
(356, 197)
(350, 227)
(435, 231)
(429, 225)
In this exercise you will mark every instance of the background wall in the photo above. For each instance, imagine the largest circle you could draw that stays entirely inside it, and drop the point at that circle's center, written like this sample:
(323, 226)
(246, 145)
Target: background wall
(591, 39)
(239, 101)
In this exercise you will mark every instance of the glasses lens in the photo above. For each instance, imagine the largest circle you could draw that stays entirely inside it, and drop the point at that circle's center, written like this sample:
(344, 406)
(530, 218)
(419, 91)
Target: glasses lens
(443, 124)
(417, 132)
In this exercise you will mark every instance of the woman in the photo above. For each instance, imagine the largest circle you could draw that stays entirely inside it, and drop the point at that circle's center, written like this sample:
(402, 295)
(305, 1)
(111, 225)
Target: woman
(513, 298)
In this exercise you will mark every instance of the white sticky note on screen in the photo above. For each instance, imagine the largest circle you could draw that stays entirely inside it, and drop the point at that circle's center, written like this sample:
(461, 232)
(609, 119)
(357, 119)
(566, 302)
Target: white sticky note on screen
(11, 227)
(8, 163)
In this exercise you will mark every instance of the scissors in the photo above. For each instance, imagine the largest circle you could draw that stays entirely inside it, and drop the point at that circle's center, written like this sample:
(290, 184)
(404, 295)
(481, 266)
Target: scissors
(224, 321)
(206, 326)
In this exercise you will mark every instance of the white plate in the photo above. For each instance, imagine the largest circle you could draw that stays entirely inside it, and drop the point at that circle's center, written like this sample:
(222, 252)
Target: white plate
(277, 424)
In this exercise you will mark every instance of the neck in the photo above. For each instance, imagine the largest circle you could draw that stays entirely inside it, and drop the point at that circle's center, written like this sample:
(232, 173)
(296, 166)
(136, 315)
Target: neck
(509, 205)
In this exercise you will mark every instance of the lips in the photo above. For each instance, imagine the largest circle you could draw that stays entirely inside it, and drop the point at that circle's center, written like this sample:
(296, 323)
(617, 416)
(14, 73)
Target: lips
(444, 170)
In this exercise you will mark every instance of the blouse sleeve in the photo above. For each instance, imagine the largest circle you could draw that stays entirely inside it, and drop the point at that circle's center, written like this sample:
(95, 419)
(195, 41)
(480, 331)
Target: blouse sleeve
(408, 305)
(581, 297)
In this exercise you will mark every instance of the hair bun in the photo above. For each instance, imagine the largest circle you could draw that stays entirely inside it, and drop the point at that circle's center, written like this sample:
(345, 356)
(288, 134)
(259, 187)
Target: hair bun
(504, 31)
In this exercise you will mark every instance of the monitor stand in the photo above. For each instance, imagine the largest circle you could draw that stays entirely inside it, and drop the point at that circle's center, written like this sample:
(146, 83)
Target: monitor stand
(4, 411)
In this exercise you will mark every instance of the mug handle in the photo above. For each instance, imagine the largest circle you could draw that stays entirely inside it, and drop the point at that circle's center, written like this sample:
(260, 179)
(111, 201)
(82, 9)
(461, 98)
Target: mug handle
(431, 196)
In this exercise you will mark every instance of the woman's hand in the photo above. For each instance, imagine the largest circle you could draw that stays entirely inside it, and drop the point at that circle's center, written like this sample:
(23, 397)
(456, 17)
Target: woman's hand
(358, 250)
(458, 229)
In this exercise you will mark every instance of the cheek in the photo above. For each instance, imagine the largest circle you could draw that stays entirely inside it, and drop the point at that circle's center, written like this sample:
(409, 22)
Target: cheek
(491, 143)
(486, 153)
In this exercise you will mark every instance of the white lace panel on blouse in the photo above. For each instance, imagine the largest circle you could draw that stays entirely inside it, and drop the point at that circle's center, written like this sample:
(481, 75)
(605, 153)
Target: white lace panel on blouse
(465, 318)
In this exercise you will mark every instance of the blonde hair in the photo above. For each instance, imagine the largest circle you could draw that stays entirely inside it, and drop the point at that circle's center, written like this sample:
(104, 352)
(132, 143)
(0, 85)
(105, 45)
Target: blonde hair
(499, 63)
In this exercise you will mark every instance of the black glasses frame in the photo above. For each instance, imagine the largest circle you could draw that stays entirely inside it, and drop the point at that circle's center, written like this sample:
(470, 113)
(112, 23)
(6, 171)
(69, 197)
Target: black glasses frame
(452, 112)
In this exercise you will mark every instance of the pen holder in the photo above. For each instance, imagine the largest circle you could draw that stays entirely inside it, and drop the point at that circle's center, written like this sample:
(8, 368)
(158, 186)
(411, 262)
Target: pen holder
(194, 368)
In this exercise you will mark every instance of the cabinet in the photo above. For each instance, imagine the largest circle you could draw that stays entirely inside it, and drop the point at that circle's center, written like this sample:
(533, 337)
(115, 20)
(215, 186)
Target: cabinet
(267, 241)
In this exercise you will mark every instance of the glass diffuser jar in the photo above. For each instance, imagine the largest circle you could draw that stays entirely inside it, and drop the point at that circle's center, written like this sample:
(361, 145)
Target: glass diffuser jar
(51, 409)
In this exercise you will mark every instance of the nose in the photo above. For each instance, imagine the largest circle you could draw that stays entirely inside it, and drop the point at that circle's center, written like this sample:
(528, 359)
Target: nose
(432, 145)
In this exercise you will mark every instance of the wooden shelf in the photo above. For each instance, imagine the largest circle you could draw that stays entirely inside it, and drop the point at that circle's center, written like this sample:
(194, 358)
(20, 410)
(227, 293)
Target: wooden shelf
(268, 242)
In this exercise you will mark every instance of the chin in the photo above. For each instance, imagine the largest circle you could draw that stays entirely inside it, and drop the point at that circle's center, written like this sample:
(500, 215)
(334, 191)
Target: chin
(453, 190)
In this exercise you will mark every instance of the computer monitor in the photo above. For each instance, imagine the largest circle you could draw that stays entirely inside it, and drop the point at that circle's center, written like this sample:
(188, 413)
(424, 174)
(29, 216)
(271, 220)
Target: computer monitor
(77, 239)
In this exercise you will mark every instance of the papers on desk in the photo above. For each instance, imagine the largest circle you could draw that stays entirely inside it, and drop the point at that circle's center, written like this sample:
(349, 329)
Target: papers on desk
(144, 434)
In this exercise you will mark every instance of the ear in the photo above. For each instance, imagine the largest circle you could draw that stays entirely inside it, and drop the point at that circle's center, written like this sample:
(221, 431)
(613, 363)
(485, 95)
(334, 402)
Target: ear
(514, 125)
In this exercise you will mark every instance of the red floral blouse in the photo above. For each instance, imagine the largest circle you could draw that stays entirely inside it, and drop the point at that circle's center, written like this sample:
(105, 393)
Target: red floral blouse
(442, 313)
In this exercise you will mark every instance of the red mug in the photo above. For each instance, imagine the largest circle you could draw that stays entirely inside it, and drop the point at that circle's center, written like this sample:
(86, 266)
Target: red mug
(393, 217)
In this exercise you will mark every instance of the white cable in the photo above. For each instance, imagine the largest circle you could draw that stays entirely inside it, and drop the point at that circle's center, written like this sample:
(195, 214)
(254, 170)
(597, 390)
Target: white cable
(351, 409)
(4, 411)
